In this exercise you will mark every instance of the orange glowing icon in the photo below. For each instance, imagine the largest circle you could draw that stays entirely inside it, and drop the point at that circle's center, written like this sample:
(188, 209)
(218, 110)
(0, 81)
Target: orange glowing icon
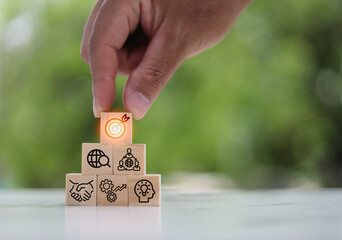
(115, 127)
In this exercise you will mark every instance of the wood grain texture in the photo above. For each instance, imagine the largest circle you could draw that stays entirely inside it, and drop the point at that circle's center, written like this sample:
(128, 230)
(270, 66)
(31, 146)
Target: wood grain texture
(80, 189)
(116, 127)
(112, 190)
(144, 190)
(130, 159)
(97, 158)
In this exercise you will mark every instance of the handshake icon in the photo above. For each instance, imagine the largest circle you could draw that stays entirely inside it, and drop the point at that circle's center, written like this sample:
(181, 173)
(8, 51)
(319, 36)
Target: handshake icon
(114, 170)
(81, 191)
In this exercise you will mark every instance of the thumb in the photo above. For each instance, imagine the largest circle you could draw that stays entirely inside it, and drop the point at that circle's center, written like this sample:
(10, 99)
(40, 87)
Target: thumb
(161, 59)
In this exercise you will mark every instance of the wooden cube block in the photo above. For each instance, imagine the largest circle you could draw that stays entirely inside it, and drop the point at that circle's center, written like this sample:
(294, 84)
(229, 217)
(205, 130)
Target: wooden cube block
(116, 127)
(80, 189)
(97, 158)
(130, 159)
(112, 190)
(144, 190)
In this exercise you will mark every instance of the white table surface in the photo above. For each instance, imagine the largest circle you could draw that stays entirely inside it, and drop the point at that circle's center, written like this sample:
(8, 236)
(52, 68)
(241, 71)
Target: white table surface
(274, 214)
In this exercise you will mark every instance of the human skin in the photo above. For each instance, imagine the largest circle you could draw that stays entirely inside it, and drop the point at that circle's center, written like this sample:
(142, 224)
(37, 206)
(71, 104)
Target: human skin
(147, 40)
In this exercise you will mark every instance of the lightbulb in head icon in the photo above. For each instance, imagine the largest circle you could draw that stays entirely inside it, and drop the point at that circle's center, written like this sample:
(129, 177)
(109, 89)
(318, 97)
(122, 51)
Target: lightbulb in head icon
(144, 190)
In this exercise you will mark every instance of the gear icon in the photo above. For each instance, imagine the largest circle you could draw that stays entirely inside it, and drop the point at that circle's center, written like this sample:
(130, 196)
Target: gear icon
(106, 186)
(111, 196)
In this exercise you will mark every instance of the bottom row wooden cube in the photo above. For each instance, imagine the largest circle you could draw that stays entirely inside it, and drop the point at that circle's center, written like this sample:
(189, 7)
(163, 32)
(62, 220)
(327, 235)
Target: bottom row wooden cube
(80, 189)
(113, 190)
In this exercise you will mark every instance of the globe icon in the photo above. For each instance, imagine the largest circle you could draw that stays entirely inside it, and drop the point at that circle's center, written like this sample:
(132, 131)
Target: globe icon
(129, 163)
(97, 158)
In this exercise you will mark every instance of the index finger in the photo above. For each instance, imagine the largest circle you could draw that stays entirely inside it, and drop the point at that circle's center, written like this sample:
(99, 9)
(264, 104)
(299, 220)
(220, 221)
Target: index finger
(113, 23)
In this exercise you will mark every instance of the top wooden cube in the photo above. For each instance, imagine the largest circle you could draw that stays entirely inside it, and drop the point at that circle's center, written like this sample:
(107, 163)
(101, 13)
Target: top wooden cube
(116, 127)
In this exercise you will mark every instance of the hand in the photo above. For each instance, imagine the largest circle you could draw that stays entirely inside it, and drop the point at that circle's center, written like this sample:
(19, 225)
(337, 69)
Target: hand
(81, 191)
(148, 40)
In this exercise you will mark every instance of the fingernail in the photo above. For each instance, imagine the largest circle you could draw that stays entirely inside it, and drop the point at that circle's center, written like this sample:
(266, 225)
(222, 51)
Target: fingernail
(138, 104)
(96, 110)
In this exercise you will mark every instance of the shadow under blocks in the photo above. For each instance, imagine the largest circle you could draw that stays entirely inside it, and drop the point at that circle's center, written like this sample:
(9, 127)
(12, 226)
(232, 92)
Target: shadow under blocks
(114, 170)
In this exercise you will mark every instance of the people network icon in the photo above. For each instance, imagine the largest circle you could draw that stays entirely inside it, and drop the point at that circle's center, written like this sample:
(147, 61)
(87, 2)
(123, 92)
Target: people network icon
(129, 162)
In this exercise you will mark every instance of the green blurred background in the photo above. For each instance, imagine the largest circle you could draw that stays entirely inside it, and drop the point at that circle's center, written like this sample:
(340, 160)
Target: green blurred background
(262, 108)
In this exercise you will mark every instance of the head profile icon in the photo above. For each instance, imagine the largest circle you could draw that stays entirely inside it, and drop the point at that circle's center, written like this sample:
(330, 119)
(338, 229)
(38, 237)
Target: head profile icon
(96, 158)
(144, 190)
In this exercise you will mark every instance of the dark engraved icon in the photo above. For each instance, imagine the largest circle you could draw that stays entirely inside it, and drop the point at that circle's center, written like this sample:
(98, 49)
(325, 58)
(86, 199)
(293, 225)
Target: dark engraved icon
(129, 162)
(107, 186)
(96, 158)
(81, 191)
(144, 190)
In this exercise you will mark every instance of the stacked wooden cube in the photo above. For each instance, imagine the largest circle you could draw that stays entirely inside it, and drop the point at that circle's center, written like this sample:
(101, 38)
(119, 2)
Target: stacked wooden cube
(114, 170)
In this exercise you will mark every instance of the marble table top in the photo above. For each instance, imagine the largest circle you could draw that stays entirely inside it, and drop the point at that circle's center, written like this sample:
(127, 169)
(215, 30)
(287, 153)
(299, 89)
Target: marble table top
(216, 214)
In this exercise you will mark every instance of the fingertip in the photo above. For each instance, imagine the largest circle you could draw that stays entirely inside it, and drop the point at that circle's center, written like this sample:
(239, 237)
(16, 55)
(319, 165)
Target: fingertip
(84, 55)
(96, 110)
(103, 95)
(138, 104)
